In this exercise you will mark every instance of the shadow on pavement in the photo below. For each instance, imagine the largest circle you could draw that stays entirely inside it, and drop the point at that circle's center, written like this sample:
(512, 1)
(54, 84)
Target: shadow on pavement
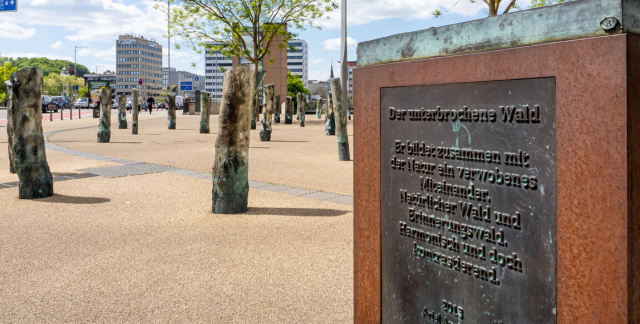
(63, 199)
(313, 212)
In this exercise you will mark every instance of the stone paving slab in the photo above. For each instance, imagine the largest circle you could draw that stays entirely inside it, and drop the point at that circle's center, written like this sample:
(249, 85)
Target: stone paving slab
(322, 195)
(129, 170)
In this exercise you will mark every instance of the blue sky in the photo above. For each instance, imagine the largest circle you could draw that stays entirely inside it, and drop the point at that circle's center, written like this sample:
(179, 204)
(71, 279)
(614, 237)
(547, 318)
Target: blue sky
(52, 28)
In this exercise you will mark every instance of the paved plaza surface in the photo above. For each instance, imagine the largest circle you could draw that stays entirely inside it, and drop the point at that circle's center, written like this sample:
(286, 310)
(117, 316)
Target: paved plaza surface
(129, 235)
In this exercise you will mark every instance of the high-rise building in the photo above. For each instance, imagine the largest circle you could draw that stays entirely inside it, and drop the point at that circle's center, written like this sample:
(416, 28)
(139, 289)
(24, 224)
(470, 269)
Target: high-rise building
(169, 78)
(215, 65)
(138, 58)
(298, 59)
(351, 65)
(275, 64)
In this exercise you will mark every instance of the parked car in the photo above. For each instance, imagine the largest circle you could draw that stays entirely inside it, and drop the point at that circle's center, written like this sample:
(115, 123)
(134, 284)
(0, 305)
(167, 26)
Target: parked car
(62, 102)
(162, 105)
(47, 105)
(129, 103)
(114, 104)
(82, 103)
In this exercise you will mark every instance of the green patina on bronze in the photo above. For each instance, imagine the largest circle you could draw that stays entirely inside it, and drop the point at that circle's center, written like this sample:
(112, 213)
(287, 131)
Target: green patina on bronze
(256, 103)
(288, 112)
(205, 112)
(319, 108)
(329, 118)
(268, 97)
(122, 112)
(302, 103)
(566, 21)
(341, 120)
(198, 99)
(134, 111)
(171, 111)
(28, 142)
(231, 163)
(104, 126)
(276, 109)
(12, 155)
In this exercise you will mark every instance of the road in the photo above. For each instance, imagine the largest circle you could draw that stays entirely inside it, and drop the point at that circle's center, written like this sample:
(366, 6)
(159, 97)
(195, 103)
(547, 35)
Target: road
(47, 117)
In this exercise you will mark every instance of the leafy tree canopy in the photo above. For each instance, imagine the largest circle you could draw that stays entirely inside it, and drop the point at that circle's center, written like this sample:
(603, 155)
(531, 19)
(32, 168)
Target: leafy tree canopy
(46, 65)
(295, 86)
(54, 84)
(5, 74)
(242, 28)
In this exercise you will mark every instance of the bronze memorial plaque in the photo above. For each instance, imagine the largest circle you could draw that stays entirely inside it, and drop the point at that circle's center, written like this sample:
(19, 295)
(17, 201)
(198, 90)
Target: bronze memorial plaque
(468, 180)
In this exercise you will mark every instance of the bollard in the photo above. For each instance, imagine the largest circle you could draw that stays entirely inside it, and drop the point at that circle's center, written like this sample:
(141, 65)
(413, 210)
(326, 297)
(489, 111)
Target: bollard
(104, 127)
(268, 97)
(134, 112)
(61, 112)
(341, 120)
(28, 140)
(231, 163)
(50, 115)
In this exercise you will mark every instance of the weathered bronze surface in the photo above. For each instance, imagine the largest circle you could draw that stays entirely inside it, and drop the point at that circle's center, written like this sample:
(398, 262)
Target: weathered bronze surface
(468, 202)
(565, 21)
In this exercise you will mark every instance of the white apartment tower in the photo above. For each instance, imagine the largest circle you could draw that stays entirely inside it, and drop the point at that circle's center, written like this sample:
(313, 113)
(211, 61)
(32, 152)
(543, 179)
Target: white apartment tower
(215, 65)
(138, 59)
(298, 59)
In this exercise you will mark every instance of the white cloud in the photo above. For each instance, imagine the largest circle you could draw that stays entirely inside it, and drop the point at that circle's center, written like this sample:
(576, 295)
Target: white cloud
(334, 43)
(56, 44)
(89, 20)
(13, 31)
(317, 61)
(321, 75)
(105, 55)
(360, 12)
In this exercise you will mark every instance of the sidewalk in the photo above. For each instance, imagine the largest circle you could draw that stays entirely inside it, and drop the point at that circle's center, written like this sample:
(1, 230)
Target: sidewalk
(146, 248)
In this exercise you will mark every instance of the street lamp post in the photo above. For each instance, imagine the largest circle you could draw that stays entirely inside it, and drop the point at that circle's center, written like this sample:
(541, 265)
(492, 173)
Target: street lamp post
(343, 54)
(75, 70)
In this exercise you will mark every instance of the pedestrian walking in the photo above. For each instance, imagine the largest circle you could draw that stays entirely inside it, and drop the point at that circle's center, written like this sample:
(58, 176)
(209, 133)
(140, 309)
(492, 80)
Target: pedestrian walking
(150, 102)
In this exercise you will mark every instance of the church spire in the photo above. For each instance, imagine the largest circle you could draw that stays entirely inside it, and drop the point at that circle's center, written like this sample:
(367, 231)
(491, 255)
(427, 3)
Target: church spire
(331, 76)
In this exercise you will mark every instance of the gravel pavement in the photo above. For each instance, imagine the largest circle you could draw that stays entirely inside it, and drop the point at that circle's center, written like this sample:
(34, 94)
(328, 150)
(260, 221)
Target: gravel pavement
(146, 248)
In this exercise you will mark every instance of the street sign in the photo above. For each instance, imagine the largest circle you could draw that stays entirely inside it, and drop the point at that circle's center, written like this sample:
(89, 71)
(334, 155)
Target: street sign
(94, 85)
(140, 81)
(197, 78)
(186, 85)
(168, 87)
(75, 87)
(8, 5)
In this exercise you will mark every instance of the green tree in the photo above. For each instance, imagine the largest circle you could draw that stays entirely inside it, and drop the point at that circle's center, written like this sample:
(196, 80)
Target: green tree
(295, 86)
(242, 28)
(5, 74)
(54, 84)
(46, 65)
(83, 91)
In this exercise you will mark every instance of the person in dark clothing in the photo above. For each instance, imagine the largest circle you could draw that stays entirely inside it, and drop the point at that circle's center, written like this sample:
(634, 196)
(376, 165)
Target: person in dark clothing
(150, 103)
